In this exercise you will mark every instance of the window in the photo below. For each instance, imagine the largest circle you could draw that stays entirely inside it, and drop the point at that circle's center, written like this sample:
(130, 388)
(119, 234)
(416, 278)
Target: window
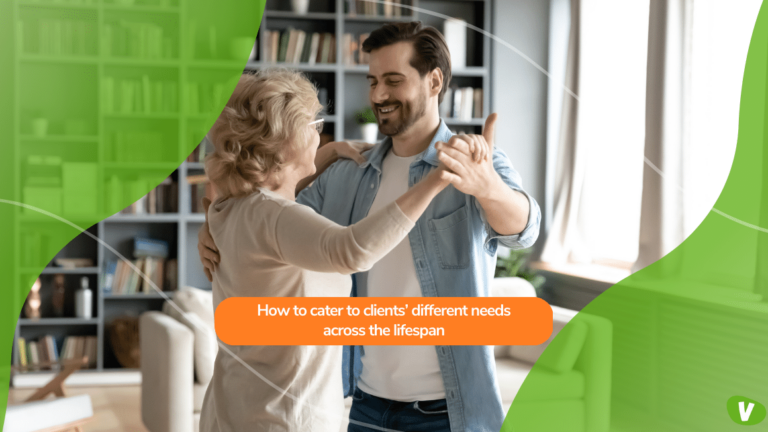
(611, 116)
(611, 124)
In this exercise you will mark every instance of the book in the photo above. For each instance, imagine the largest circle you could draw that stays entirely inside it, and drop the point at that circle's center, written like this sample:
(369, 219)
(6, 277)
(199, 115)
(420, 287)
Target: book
(362, 56)
(283, 46)
(466, 103)
(313, 48)
(293, 36)
(300, 36)
(34, 355)
(275, 46)
(320, 44)
(90, 348)
(306, 50)
(326, 50)
(171, 275)
(21, 348)
(456, 109)
(477, 102)
(145, 247)
(332, 54)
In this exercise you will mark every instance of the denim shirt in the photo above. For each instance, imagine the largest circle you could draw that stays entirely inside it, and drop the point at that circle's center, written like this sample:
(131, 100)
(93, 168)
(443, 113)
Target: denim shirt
(454, 252)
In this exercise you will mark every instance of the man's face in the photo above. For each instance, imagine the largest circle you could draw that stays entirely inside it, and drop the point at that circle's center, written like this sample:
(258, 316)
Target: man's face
(398, 95)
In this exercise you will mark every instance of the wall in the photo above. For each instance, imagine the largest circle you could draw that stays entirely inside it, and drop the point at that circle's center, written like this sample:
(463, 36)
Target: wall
(519, 89)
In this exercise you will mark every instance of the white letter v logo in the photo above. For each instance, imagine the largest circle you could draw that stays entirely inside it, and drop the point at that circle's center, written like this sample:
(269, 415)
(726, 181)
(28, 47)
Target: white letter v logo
(745, 414)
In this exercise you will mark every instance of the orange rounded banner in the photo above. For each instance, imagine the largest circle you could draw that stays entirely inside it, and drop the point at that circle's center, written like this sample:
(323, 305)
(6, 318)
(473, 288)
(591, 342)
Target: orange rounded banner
(383, 321)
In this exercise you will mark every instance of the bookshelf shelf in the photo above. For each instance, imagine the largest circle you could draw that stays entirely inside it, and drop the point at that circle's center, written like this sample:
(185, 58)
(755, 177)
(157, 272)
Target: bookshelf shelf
(140, 8)
(164, 218)
(306, 67)
(195, 218)
(37, 58)
(376, 19)
(57, 321)
(163, 116)
(470, 72)
(122, 61)
(456, 122)
(59, 5)
(195, 165)
(134, 296)
(138, 166)
(213, 64)
(60, 138)
(295, 16)
(59, 270)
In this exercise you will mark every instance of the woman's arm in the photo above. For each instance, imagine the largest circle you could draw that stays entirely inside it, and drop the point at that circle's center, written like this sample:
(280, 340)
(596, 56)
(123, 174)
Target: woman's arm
(308, 240)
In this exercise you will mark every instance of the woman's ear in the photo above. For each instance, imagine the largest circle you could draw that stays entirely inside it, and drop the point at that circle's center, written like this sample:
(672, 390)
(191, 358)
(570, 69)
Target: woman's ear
(435, 81)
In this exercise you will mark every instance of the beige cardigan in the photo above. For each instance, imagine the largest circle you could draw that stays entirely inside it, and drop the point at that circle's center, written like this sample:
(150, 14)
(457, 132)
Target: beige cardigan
(271, 246)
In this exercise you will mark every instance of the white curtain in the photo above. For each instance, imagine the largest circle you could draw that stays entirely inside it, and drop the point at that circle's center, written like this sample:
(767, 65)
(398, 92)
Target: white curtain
(566, 238)
(666, 131)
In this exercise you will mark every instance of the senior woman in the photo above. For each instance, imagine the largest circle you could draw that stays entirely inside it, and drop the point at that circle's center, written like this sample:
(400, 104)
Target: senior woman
(265, 142)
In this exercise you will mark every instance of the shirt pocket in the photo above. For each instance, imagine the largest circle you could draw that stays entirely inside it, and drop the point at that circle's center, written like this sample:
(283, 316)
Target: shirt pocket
(451, 238)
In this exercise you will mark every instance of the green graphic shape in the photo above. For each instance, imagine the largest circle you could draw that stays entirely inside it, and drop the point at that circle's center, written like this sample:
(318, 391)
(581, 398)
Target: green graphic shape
(100, 101)
(688, 331)
(745, 411)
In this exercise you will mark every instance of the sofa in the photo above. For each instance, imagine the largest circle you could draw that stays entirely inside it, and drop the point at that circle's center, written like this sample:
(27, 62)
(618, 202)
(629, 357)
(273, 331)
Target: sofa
(572, 380)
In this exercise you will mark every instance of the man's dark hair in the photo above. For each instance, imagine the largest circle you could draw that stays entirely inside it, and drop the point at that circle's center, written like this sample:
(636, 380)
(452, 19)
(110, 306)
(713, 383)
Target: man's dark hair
(430, 49)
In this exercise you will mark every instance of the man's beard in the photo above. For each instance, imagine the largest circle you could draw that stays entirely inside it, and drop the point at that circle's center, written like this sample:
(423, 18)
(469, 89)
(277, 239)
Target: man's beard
(407, 115)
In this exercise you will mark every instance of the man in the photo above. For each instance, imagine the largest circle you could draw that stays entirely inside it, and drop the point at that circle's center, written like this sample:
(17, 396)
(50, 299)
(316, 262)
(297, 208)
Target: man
(451, 252)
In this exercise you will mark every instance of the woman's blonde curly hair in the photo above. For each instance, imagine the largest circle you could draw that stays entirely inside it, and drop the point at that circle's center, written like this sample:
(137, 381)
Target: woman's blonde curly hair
(262, 127)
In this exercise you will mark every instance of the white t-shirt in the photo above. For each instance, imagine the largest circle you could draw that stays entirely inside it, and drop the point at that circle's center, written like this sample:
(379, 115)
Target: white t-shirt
(402, 373)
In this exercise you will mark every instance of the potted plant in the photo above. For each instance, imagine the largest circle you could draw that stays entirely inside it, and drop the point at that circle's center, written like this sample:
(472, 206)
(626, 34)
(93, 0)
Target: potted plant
(515, 265)
(369, 127)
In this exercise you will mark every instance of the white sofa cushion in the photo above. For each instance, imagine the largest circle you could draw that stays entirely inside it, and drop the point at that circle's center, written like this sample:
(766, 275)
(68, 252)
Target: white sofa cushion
(45, 414)
(197, 306)
(198, 301)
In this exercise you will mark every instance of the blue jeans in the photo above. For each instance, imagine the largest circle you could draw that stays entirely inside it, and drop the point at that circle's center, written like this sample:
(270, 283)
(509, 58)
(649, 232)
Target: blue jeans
(387, 414)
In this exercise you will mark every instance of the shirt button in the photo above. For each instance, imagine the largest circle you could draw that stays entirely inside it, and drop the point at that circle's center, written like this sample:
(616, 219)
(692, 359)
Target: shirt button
(371, 185)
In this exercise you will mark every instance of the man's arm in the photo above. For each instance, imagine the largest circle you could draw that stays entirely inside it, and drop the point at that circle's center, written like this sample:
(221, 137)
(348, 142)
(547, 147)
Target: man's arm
(511, 215)
(330, 153)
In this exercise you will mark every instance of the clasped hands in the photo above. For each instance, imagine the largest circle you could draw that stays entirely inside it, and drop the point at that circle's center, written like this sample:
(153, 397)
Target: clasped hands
(468, 160)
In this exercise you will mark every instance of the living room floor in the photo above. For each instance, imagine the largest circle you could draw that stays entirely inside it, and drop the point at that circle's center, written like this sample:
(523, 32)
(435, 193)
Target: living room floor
(115, 408)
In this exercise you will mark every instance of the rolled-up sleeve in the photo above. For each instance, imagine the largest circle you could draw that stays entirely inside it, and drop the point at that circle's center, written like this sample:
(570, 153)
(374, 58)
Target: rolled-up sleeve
(527, 237)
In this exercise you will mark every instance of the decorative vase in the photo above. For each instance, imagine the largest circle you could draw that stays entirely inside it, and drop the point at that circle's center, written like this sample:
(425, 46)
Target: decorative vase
(300, 6)
(370, 132)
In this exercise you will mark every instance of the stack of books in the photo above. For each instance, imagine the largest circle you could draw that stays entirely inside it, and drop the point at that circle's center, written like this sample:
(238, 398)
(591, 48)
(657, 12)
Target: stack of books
(134, 146)
(137, 40)
(134, 96)
(154, 268)
(352, 47)
(57, 37)
(162, 199)
(390, 9)
(297, 46)
(463, 103)
(45, 351)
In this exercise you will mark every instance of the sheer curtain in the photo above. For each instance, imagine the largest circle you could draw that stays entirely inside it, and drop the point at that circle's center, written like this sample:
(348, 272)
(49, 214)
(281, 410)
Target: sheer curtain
(599, 158)
(666, 112)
